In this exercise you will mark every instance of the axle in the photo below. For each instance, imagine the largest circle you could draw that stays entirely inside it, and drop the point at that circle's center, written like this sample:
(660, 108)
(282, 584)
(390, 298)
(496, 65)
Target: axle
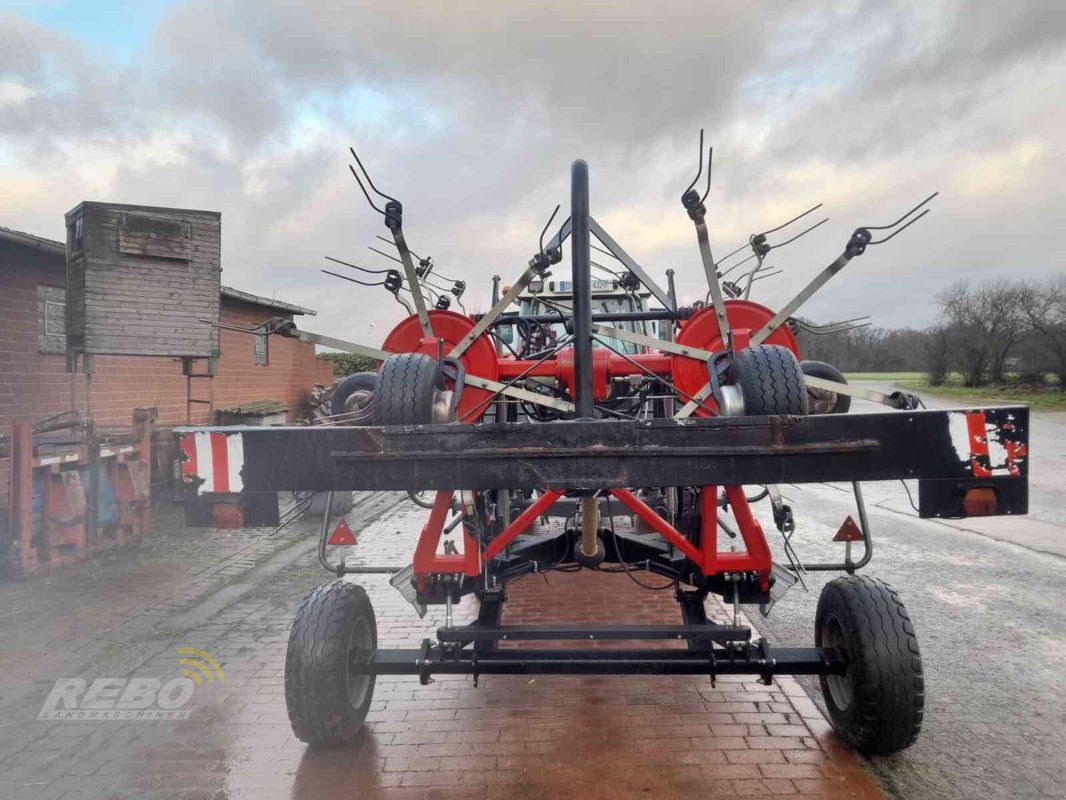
(752, 659)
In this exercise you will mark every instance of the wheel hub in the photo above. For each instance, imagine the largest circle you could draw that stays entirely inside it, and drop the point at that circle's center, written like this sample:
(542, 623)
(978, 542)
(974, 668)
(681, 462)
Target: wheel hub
(360, 649)
(360, 404)
(839, 685)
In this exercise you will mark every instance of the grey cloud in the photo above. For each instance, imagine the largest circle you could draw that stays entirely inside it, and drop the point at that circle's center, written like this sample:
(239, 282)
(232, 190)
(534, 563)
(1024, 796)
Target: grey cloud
(471, 113)
(71, 95)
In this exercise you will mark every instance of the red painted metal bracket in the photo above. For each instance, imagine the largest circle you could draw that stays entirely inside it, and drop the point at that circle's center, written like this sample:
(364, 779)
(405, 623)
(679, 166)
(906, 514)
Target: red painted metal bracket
(522, 522)
(706, 555)
(427, 560)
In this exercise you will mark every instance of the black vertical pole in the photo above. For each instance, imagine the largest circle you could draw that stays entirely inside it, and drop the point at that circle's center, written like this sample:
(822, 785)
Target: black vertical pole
(580, 260)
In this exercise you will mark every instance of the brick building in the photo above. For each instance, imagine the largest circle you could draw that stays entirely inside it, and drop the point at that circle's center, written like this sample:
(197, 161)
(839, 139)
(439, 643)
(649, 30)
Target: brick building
(33, 376)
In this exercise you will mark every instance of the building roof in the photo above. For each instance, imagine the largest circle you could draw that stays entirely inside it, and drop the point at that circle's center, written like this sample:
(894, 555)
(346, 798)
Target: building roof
(29, 240)
(269, 302)
(128, 207)
(58, 248)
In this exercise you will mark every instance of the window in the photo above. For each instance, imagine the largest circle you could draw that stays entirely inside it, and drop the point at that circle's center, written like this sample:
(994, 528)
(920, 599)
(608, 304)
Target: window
(262, 349)
(51, 319)
(76, 235)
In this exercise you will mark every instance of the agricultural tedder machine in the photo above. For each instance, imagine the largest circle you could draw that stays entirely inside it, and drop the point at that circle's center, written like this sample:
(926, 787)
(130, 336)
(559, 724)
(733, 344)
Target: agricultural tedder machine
(532, 431)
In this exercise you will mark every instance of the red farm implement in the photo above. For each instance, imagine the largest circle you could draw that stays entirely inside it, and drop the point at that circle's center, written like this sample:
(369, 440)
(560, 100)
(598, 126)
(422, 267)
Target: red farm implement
(532, 431)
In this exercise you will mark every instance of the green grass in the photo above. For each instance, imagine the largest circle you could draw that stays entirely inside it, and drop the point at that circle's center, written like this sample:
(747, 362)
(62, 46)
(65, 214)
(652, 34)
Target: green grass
(1040, 399)
(883, 376)
(1046, 399)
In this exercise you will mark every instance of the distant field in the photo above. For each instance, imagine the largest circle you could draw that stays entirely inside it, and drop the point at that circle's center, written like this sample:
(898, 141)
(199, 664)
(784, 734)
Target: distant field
(883, 376)
(1040, 399)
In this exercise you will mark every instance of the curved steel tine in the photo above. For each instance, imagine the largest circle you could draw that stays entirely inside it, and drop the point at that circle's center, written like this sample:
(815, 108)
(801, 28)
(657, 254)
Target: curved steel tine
(383, 253)
(835, 327)
(436, 271)
(898, 221)
(767, 275)
(354, 266)
(438, 274)
(739, 263)
(798, 235)
(608, 270)
(839, 329)
(605, 251)
(429, 291)
(898, 230)
(402, 302)
(546, 226)
(353, 280)
(390, 241)
(440, 289)
(853, 326)
(700, 171)
(730, 255)
(367, 174)
(710, 163)
(845, 322)
(794, 219)
(750, 275)
(365, 193)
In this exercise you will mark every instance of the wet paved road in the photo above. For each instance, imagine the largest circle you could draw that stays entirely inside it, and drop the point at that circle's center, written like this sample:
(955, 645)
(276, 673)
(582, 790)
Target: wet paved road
(993, 634)
(990, 621)
(233, 595)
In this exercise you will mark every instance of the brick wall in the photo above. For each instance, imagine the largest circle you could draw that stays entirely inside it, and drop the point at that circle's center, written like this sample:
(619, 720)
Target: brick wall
(35, 384)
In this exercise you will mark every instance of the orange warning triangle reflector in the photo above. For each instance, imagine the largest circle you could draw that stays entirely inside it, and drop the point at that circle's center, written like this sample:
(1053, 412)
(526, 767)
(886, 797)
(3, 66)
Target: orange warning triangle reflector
(849, 532)
(342, 534)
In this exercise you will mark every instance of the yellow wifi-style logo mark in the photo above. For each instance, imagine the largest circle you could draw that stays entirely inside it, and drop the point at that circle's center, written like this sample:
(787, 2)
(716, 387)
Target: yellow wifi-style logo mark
(201, 667)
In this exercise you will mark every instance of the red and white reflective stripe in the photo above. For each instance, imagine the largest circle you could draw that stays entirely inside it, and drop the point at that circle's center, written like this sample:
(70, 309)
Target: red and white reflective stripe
(215, 459)
(986, 446)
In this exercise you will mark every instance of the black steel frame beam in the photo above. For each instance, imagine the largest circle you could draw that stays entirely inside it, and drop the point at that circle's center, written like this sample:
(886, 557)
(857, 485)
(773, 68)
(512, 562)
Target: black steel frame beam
(708, 631)
(604, 454)
(750, 660)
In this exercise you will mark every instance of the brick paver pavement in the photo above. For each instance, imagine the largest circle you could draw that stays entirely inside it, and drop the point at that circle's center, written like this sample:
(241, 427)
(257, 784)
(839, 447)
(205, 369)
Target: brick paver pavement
(234, 595)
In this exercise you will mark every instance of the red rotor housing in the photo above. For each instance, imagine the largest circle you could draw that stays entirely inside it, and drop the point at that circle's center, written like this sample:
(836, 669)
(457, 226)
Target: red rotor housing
(701, 330)
(479, 359)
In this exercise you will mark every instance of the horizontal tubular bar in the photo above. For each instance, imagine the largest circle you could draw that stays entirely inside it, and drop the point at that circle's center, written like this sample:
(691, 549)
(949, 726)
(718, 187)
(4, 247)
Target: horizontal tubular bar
(658, 314)
(659, 363)
(479, 633)
(930, 444)
(783, 661)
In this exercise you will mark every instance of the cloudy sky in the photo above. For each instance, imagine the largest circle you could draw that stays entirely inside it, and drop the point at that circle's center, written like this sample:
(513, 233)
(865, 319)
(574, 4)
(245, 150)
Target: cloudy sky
(471, 112)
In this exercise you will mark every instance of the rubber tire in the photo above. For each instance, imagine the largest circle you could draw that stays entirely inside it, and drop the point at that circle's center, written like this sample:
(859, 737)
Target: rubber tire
(407, 384)
(360, 381)
(884, 674)
(418, 500)
(820, 369)
(316, 665)
(771, 381)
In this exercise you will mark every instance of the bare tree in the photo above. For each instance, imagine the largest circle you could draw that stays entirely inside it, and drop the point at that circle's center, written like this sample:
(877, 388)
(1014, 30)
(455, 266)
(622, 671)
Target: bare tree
(867, 349)
(1044, 306)
(986, 323)
(938, 354)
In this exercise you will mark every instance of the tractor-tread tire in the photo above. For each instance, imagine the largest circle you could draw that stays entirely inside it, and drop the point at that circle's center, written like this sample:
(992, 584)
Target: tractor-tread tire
(407, 385)
(316, 665)
(770, 380)
(884, 665)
